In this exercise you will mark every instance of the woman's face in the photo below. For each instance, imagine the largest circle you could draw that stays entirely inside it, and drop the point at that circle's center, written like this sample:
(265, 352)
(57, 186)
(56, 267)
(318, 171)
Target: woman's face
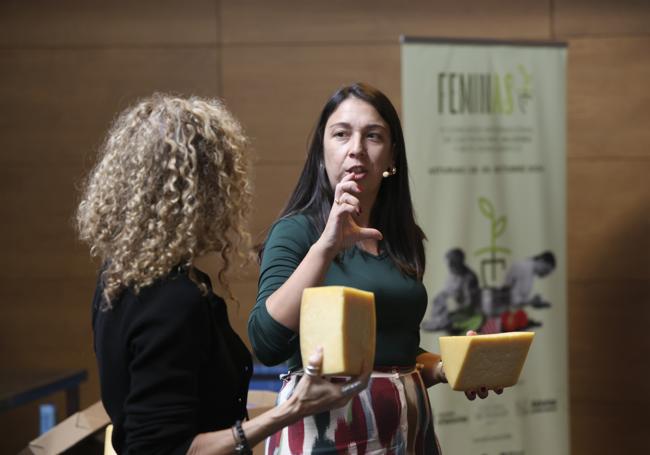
(357, 140)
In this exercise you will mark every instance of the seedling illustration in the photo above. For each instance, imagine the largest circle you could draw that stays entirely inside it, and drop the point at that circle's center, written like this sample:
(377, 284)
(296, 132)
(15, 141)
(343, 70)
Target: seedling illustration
(497, 228)
(526, 91)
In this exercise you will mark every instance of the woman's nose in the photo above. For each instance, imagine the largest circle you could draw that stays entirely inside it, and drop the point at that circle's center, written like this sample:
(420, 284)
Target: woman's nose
(357, 146)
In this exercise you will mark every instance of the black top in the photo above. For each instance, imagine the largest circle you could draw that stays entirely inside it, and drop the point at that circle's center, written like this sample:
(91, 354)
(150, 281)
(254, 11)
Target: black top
(170, 365)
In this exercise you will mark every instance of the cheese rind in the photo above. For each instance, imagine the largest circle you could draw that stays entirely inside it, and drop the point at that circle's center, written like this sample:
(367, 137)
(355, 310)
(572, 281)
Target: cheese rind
(342, 321)
(491, 361)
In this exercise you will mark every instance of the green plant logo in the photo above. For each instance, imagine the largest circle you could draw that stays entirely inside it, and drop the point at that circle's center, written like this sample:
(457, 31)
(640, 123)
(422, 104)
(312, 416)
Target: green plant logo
(525, 92)
(498, 226)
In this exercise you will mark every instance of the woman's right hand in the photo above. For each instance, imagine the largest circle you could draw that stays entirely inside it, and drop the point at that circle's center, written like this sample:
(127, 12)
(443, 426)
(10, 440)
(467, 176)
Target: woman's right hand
(314, 394)
(342, 230)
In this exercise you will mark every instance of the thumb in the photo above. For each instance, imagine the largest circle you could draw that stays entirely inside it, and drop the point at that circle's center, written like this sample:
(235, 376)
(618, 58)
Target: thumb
(316, 358)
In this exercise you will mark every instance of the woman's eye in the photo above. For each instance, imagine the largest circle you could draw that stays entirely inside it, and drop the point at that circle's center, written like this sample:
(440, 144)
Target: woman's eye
(374, 136)
(340, 134)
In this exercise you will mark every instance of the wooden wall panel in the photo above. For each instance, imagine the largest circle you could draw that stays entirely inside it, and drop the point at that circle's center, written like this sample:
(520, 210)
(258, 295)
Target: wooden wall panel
(341, 21)
(608, 429)
(278, 91)
(609, 349)
(608, 97)
(68, 67)
(600, 17)
(82, 23)
(608, 330)
(56, 322)
(608, 220)
(273, 186)
(69, 97)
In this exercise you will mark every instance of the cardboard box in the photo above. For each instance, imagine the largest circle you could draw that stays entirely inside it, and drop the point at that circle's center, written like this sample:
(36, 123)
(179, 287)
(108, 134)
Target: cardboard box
(69, 432)
(94, 419)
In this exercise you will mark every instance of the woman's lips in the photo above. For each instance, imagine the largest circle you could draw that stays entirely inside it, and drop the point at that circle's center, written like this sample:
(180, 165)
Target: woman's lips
(358, 175)
(357, 172)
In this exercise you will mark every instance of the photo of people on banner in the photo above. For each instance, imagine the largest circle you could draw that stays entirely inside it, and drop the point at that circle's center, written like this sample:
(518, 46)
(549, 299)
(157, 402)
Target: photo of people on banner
(488, 306)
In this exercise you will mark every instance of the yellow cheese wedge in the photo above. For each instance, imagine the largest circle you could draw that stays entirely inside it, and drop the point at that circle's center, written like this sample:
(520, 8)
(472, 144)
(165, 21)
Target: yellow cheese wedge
(492, 361)
(342, 321)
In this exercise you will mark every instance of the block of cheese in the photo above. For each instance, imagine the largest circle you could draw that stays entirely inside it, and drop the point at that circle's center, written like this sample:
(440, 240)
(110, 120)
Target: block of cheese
(493, 360)
(342, 321)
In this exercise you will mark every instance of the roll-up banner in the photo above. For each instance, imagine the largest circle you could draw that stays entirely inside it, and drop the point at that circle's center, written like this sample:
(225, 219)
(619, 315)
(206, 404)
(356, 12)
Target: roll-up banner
(485, 129)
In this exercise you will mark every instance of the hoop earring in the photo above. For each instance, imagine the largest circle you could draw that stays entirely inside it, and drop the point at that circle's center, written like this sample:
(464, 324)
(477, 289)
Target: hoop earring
(390, 172)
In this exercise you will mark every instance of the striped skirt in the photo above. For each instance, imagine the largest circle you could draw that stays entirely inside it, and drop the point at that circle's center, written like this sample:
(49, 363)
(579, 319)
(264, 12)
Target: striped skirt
(392, 416)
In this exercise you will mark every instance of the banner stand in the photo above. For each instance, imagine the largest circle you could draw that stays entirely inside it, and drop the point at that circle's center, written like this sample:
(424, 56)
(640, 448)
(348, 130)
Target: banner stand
(485, 130)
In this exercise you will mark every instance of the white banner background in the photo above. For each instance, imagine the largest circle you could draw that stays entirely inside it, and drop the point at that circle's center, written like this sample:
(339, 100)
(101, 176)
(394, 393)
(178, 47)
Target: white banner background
(486, 122)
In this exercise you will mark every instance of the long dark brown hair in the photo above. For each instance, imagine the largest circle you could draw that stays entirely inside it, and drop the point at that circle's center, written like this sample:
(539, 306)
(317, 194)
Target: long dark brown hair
(392, 212)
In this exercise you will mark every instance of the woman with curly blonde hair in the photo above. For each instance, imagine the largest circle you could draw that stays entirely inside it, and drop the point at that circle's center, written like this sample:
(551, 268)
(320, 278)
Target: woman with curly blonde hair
(170, 187)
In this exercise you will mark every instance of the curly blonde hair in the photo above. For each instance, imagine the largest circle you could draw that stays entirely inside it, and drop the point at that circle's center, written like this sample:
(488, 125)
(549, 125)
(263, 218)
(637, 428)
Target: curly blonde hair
(171, 184)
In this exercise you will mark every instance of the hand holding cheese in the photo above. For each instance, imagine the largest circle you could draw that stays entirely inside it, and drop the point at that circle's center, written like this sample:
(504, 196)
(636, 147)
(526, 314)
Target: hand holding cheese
(491, 361)
(342, 321)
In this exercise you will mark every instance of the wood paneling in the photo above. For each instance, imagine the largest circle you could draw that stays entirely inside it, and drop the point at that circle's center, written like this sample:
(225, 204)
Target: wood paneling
(608, 97)
(609, 428)
(117, 23)
(342, 21)
(609, 349)
(69, 67)
(608, 220)
(273, 186)
(69, 96)
(58, 106)
(600, 17)
(55, 321)
(41, 238)
(608, 324)
(278, 91)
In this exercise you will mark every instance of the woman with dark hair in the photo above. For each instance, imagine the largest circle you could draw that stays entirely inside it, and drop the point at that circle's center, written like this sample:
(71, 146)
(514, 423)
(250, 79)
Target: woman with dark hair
(350, 222)
(171, 188)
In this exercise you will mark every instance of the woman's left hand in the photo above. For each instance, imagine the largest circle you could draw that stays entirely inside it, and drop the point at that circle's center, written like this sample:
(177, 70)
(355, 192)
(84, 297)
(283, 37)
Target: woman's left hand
(481, 392)
(433, 372)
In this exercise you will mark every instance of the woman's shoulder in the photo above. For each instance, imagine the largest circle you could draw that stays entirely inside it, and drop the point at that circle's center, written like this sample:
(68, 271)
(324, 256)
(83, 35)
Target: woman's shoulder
(290, 235)
(174, 293)
(297, 226)
(297, 220)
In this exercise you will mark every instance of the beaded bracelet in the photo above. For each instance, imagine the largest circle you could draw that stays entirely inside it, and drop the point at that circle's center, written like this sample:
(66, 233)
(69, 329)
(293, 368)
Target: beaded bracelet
(241, 443)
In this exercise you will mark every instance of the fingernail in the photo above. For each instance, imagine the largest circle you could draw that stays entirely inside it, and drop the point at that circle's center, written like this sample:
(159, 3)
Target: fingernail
(472, 395)
(483, 390)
